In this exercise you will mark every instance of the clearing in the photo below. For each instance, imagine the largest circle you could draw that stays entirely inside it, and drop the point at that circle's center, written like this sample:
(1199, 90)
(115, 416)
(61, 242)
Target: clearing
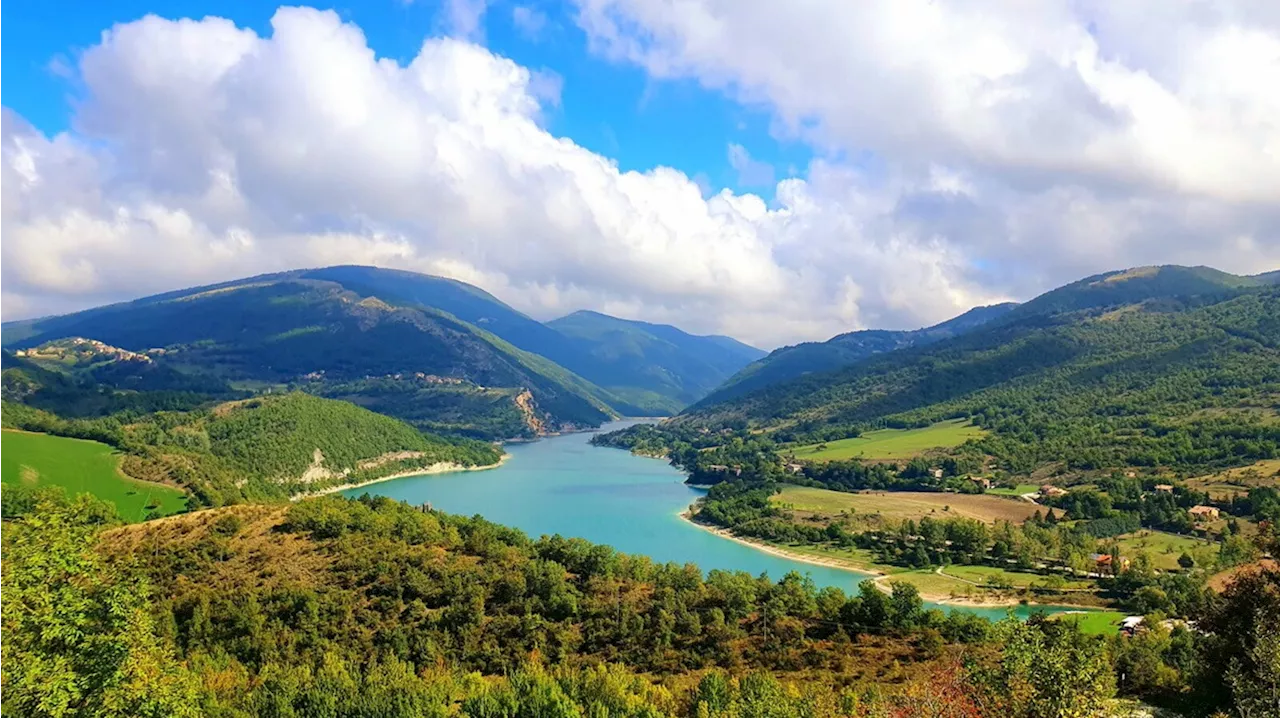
(81, 466)
(893, 443)
(1094, 622)
(985, 575)
(1165, 548)
(1016, 491)
(1237, 482)
(901, 505)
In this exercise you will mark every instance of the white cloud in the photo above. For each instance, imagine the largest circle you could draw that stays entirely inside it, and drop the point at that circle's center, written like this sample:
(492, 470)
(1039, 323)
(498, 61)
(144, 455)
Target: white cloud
(529, 21)
(1078, 135)
(751, 172)
(465, 17)
(204, 151)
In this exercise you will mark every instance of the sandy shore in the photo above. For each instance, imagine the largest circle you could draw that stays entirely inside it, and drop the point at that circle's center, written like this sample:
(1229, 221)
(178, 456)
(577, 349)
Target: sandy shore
(881, 579)
(443, 467)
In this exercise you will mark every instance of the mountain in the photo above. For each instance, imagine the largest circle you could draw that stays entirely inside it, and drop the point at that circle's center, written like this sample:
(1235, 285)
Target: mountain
(655, 366)
(644, 368)
(294, 329)
(844, 349)
(1154, 366)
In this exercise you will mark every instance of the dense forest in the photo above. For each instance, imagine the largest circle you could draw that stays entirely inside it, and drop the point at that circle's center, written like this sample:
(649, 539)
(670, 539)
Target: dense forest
(335, 607)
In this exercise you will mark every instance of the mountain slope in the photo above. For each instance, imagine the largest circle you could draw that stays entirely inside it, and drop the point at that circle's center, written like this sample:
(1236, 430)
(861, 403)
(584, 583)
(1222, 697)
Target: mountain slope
(644, 368)
(655, 366)
(1165, 366)
(845, 349)
(285, 328)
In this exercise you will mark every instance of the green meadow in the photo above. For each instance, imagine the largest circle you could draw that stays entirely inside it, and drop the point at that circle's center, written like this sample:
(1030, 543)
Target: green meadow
(893, 443)
(80, 466)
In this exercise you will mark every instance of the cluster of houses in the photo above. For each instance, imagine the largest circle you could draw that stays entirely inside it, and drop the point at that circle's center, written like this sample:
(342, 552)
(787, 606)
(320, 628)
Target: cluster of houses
(84, 348)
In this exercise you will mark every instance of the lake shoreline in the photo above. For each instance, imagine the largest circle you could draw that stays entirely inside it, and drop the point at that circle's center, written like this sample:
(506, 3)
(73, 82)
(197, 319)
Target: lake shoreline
(442, 467)
(880, 578)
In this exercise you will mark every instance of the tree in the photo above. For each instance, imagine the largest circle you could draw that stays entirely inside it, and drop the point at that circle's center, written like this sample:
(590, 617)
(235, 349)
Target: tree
(1186, 561)
(78, 636)
(1255, 677)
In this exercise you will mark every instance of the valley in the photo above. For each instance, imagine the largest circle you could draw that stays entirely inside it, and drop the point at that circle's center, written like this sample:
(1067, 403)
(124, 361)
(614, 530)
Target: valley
(284, 491)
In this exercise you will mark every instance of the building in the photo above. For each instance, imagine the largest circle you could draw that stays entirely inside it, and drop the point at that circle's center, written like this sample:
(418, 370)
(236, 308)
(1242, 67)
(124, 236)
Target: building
(1130, 474)
(1050, 491)
(1105, 563)
(1130, 625)
(1203, 513)
(795, 468)
(1164, 489)
(937, 473)
(980, 481)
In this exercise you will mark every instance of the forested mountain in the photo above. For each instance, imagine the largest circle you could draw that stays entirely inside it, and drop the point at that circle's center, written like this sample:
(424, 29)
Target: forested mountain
(644, 368)
(1157, 366)
(845, 349)
(291, 330)
(654, 366)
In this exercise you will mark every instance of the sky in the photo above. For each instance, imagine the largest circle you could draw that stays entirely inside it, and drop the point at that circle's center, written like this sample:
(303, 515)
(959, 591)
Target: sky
(776, 172)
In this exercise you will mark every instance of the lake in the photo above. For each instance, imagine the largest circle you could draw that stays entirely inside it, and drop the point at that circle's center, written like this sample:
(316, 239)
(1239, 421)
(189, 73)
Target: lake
(564, 485)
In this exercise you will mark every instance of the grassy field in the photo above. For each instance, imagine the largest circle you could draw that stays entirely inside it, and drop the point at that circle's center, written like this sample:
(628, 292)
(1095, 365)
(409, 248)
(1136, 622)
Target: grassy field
(1018, 490)
(1094, 622)
(82, 467)
(905, 504)
(1164, 548)
(934, 584)
(1019, 579)
(892, 443)
(1238, 481)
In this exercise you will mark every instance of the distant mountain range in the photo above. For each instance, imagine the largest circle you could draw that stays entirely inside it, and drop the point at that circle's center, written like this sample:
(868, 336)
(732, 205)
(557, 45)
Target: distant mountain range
(845, 349)
(1150, 366)
(437, 352)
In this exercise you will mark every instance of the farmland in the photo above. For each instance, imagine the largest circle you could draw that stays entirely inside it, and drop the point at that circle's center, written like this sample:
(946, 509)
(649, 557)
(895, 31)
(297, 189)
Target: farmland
(900, 505)
(1225, 484)
(1164, 549)
(888, 444)
(79, 466)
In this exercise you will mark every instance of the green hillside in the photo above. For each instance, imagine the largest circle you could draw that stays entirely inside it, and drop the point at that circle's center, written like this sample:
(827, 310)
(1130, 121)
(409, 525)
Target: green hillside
(1160, 366)
(654, 366)
(840, 351)
(267, 447)
(37, 461)
(643, 368)
(289, 329)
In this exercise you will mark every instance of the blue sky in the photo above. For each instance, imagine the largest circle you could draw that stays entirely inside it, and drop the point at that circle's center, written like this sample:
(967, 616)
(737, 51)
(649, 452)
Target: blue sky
(613, 109)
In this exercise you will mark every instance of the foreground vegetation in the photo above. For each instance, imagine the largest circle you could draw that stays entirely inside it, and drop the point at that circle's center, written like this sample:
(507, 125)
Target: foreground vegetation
(334, 607)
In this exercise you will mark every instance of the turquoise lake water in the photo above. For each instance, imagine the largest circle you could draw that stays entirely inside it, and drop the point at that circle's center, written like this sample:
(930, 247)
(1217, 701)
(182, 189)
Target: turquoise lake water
(563, 485)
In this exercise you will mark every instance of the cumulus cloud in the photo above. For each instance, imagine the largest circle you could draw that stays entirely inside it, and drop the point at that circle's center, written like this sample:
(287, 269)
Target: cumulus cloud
(203, 151)
(1088, 134)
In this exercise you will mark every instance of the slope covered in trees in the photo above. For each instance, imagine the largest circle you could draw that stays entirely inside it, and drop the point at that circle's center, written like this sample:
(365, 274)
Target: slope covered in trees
(644, 368)
(337, 607)
(654, 366)
(843, 350)
(286, 329)
(267, 447)
(1172, 367)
